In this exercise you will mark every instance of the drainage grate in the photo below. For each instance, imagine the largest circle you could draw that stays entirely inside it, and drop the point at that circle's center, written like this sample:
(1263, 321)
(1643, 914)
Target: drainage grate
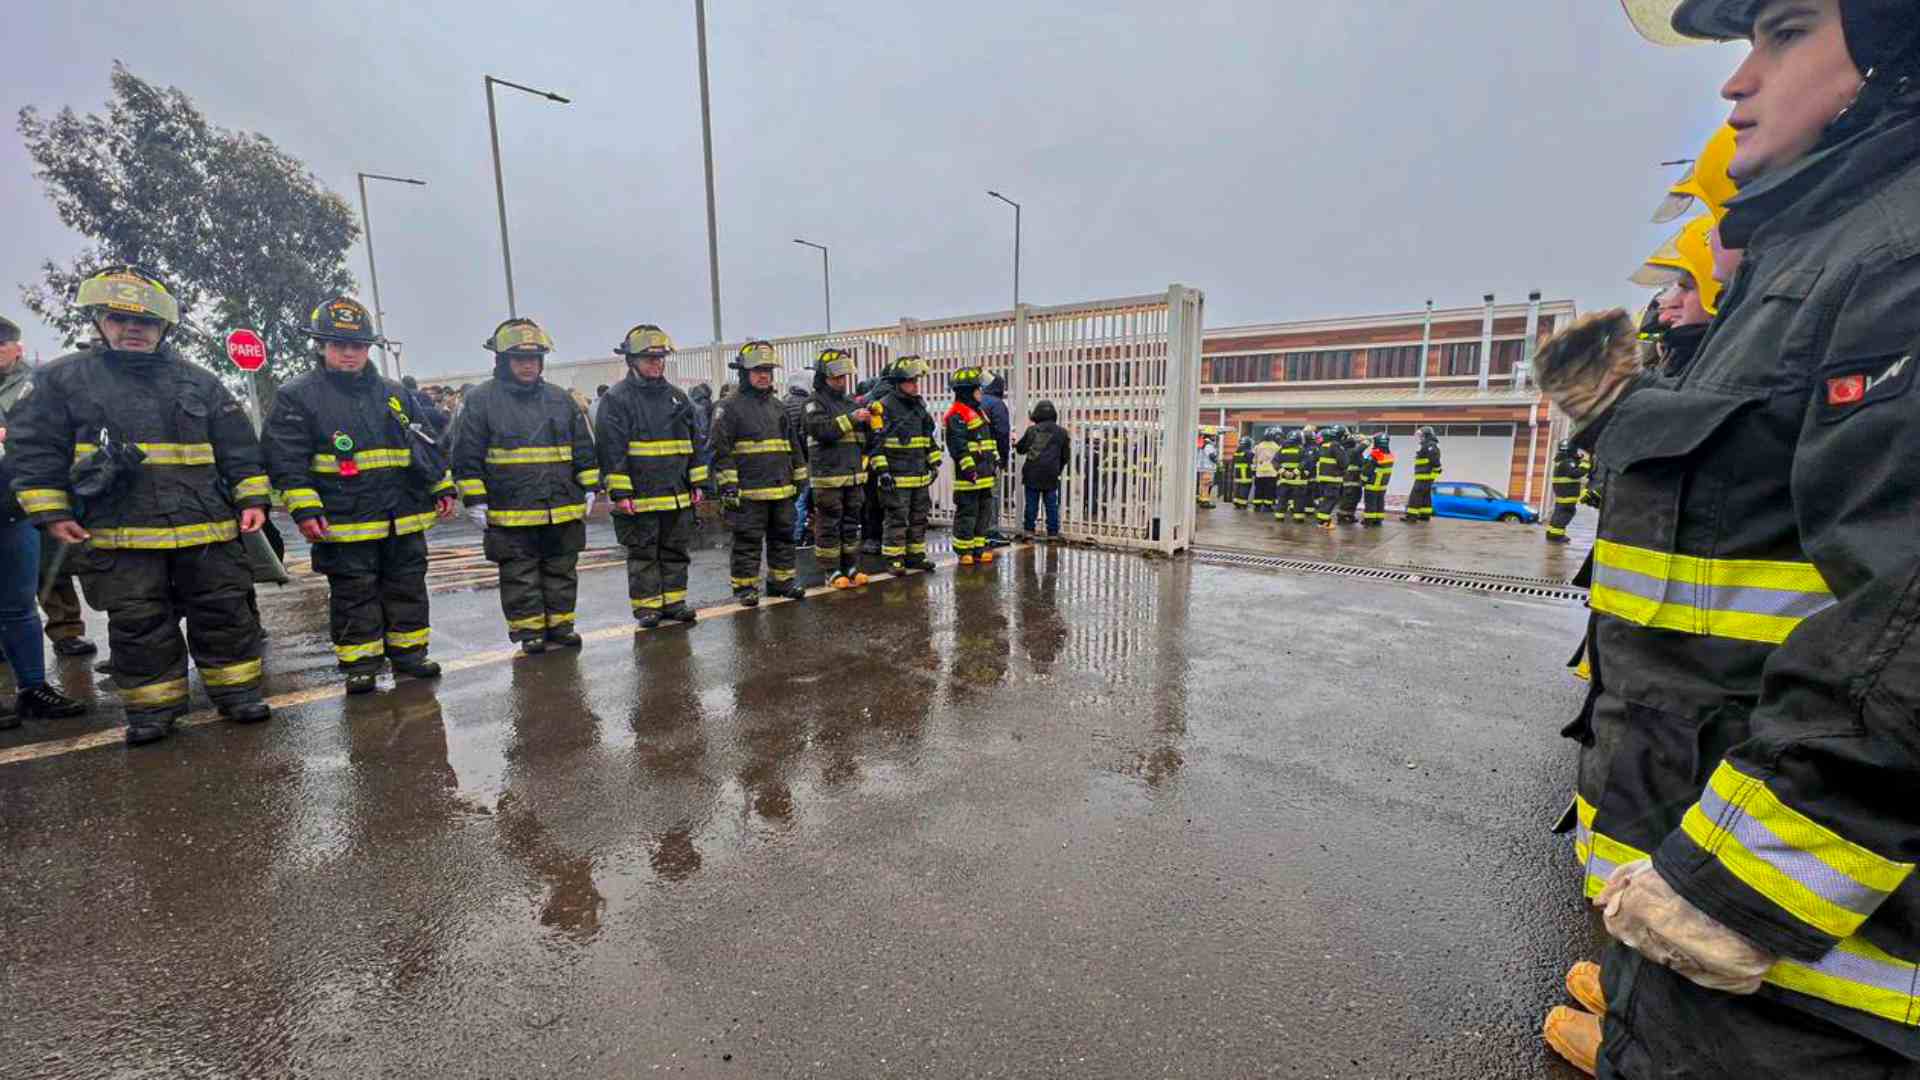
(1477, 575)
(1506, 585)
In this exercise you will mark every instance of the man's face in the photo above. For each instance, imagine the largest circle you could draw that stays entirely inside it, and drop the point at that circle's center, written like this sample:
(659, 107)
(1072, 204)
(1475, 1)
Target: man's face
(1726, 261)
(651, 366)
(10, 354)
(839, 383)
(761, 378)
(526, 368)
(346, 356)
(910, 387)
(1798, 77)
(130, 333)
(1680, 305)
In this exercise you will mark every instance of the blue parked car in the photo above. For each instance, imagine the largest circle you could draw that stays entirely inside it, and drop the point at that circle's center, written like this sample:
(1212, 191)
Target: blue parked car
(1460, 499)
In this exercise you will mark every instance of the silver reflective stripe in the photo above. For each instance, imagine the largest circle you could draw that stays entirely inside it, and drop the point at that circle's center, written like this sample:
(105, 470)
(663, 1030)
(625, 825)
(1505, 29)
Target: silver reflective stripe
(1780, 603)
(1854, 968)
(1803, 867)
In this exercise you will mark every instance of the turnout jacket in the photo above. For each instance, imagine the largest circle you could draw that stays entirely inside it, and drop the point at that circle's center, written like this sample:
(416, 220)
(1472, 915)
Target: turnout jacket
(836, 445)
(970, 440)
(525, 452)
(1756, 662)
(649, 439)
(1376, 469)
(1330, 463)
(1351, 456)
(1569, 474)
(202, 462)
(1290, 466)
(755, 448)
(382, 496)
(905, 447)
(1264, 454)
(1426, 461)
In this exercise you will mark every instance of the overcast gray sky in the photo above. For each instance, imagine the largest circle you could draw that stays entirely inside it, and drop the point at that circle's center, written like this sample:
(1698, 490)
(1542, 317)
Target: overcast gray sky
(1295, 160)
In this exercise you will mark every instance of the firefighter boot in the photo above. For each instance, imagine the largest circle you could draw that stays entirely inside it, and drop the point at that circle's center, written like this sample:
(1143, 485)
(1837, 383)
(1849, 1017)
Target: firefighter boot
(1574, 1035)
(246, 712)
(790, 590)
(650, 618)
(966, 560)
(421, 668)
(563, 639)
(360, 682)
(918, 562)
(149, 728)
(679, 613)
(986, 557)
(747, 596)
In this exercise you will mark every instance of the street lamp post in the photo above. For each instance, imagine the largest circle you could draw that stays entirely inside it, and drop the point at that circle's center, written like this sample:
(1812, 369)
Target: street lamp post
(1016, 245)
(706, 142)
(499, 186)
(826, 273)
(392, 368)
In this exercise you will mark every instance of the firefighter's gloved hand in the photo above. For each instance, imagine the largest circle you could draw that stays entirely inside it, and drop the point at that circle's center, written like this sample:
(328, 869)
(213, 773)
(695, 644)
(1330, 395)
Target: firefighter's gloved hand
(478, 515)
(970, 474)
(1586, 367)
(589, 504)
(729, 499)
(1644, 912)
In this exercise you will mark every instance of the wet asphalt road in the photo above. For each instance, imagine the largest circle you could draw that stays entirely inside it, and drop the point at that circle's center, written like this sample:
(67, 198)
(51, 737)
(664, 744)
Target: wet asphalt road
(1076, 814)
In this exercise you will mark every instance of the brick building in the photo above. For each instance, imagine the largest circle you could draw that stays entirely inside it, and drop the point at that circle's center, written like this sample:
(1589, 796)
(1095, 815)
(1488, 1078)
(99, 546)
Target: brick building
(1495, 426)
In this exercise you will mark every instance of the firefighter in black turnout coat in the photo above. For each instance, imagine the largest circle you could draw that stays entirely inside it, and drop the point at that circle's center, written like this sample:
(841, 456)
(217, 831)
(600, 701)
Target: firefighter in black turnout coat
(837, 430)
(650, 446)
(758, 460)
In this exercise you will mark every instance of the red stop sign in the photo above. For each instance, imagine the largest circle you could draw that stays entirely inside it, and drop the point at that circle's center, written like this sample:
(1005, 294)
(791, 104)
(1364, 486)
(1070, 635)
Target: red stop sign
(246, 350)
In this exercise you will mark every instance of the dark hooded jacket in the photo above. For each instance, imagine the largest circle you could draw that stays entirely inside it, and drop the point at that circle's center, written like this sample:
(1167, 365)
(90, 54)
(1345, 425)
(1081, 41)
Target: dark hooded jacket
(993, 402)
(1047, 448)
(525, 451)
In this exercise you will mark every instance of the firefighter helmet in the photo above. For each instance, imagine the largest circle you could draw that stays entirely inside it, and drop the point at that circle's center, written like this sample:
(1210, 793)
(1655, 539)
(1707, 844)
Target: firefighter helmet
(644, 340)
(967, 378)
(834, 363)
(1688, 252)
(341, 319)
(128, 290)
(755, 356)
(1427, 434)
(1706, 180)
(1380, 440)
(906, 369)
(521, 336)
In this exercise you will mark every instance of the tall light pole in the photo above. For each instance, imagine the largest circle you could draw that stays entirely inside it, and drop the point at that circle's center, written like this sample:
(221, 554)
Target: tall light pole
(1016, 245)
(499, 186)
(826, 273)
(392, 369)
(706, 140)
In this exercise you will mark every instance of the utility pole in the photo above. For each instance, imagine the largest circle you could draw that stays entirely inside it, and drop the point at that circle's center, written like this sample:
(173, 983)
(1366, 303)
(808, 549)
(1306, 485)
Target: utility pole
(1016, 244)
(826, 272)
(390, 364)
(499, 186)
(706, 139)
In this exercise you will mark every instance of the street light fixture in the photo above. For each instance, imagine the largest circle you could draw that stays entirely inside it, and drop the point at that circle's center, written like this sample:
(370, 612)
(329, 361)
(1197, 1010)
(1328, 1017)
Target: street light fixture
(1016, 245)
(499, 187)
(391, 360)
(826, 273)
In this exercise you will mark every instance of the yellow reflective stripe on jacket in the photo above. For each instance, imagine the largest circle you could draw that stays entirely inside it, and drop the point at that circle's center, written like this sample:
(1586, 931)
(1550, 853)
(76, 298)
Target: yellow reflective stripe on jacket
(662, 502)
(154, 695)
(1809, 871)
(985, 483)
(619, 482)
(799, 473)
(232, 675)
(661, 447)
(43, 500)
(849, 480)
(760, 446)
(474, 488)
(912, 481)
(918, 442)
(729, 476)
(529, 455)
(160, 453)
(1743, 599)
(587, 477)
(1599, 855)
(844, 422)
(349, 532)
(413, 523)
(697, 474)
(408, 639)
(558, 515)
(1856, 975)
(303, 499)
(162, 538)
(253, 487)
(364, 459)
(769, 494)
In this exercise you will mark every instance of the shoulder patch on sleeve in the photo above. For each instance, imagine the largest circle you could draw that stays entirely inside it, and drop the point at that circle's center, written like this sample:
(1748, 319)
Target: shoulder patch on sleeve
(1848, 389)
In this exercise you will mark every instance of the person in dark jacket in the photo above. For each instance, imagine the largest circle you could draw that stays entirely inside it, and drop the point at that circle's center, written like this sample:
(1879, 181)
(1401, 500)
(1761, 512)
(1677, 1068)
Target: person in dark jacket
(702, 398)
(341, 455)
(969, 441)
(838, 429)
(650, 447)
(903, 462)
(799, 389)
(182, 477)
(1376, 472)
(431, 414)
(523, 457)
(993, 402)
(873, 509)
(1744, 810)
(1426, 472)
(758, 460)
(1571, 465)
(1355, 448)
(1330, 470)
(1049, 451)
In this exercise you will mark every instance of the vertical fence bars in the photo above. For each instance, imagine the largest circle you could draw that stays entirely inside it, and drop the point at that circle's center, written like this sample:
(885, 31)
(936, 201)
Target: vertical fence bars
(1124, 376)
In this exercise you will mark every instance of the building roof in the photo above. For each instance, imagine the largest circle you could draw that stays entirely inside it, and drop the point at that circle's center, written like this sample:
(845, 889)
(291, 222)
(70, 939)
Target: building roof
(1368, 397)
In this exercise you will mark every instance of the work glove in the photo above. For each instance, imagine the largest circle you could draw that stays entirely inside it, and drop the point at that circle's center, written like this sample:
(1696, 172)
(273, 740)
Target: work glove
(970, 474)
(885, 481)
(1586, 367)
(478, 515)
(1644, 912)
(730, 499)
(590, 498)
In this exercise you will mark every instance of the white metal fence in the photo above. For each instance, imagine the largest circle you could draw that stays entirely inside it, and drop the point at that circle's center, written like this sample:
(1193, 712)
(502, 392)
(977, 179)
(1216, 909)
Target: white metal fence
(1124, 376)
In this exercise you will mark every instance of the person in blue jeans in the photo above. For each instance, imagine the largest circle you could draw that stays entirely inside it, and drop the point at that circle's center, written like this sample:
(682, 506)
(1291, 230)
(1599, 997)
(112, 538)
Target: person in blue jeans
(1048, 451)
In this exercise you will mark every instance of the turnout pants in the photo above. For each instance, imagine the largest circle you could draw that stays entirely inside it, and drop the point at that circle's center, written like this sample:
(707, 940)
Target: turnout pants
(1326, 497)
(1420, 501)
(146, 594)
(1350, 502)
(1564, 506)
(1376, 508)
(1263, 491)
(657, 543)
(539, 576)
(837, 513)
(972, 510)
(1293, 500)
(378, 606)
(906, 533)
(758, 524)
(61, 604)
(1242, 492)
(873, 518)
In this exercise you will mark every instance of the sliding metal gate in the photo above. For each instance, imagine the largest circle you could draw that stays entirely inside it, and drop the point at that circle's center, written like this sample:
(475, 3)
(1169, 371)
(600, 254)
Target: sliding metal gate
(1124, 376)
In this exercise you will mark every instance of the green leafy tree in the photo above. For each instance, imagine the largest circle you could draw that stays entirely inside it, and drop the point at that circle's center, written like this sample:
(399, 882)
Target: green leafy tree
(242, 232)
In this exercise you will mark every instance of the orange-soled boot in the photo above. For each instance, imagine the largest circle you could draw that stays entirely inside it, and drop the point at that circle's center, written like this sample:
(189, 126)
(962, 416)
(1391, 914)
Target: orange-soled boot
(860, 578)
(986, 557)
(1574, 1035)
(1583, 982)
(966, 560)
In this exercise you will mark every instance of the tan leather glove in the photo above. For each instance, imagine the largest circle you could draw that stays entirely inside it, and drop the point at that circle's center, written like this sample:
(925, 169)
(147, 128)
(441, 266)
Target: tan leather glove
(1644, 912)
(1586, 367)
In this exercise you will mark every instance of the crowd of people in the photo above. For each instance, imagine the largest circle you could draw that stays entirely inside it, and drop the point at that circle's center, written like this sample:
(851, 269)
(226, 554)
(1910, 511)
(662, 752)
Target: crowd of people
(1324, 476)
(145, 475)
